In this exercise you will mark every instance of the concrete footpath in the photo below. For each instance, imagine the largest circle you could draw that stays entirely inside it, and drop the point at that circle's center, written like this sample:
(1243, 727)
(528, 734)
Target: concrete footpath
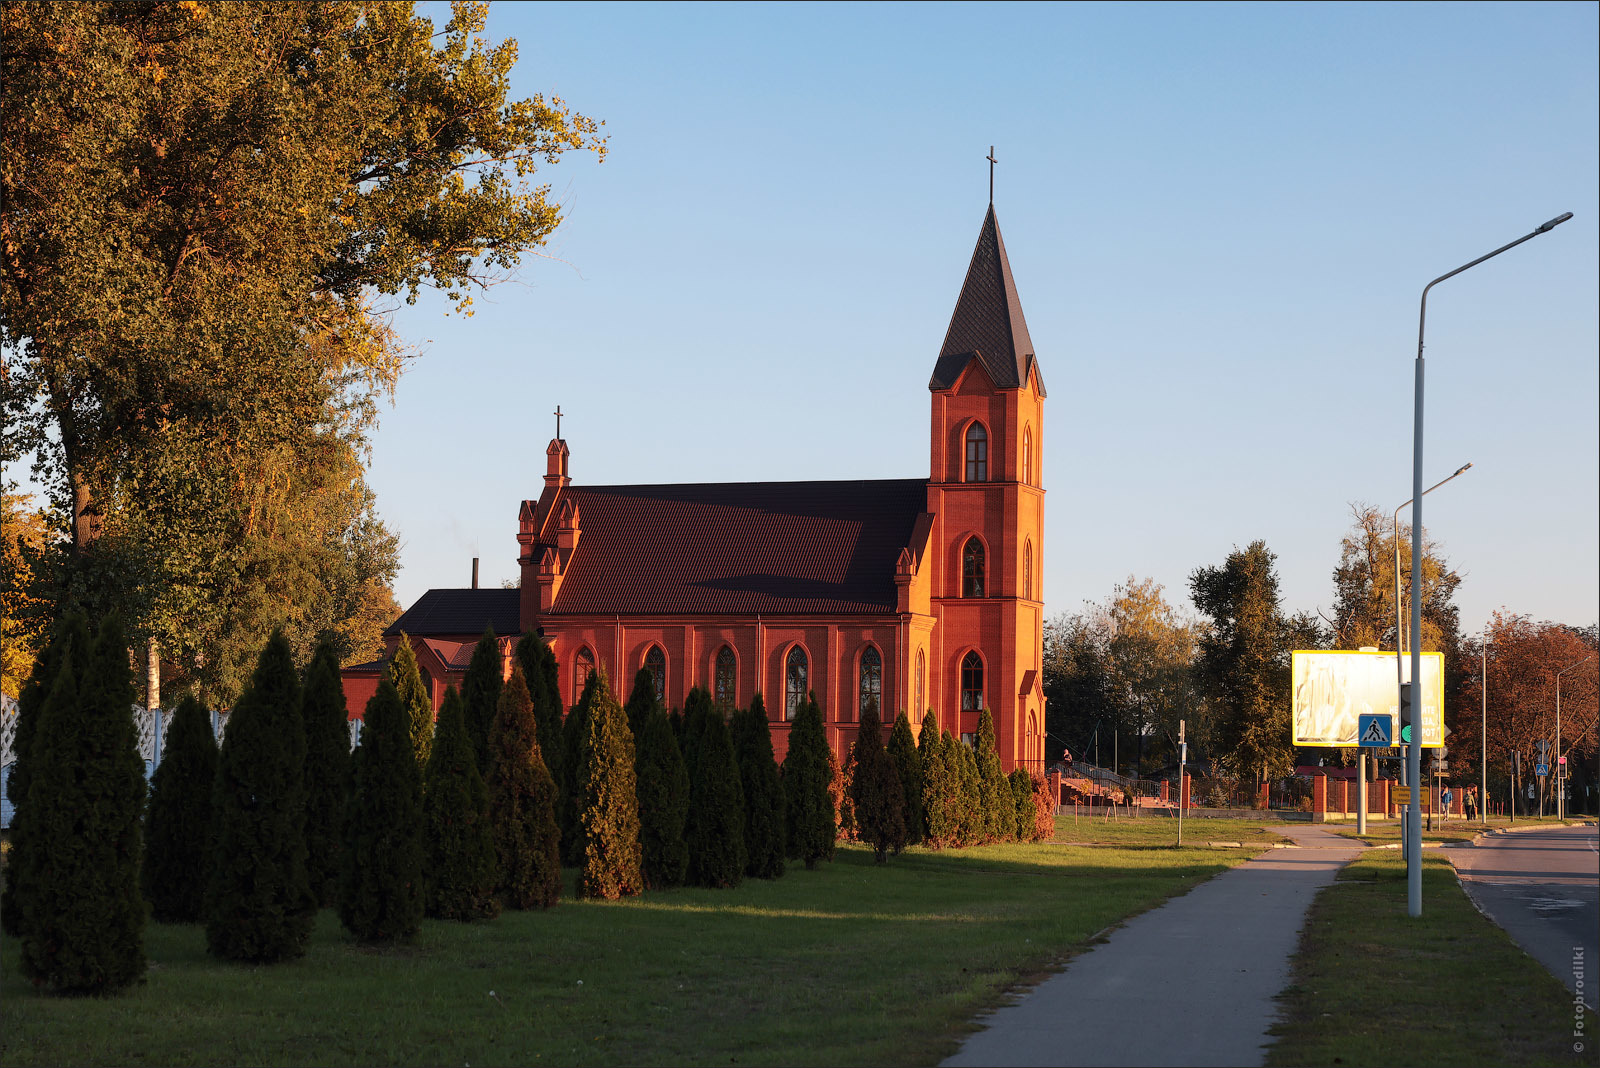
(1191, 982)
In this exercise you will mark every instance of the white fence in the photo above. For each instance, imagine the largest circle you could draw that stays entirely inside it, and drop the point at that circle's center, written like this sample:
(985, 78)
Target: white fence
(152, 727)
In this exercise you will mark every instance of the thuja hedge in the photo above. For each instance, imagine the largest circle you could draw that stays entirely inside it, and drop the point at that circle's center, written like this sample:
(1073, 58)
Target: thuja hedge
(480, 693)
(715, 828)
(380, 887)
(764, 838)
(608, 820)
(522, 803)
(459, 850)
(807, 776)
(875, 790)
(327, 726)
(258, 902)
(908, 766)
(663, 786)
(178, 826)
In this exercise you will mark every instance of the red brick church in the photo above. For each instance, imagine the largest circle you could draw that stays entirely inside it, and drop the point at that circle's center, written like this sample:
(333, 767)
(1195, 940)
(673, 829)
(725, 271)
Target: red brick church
(917, 593)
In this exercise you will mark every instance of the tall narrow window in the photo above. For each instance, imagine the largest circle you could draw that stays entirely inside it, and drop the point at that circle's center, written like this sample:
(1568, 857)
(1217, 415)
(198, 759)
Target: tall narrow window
(972, 568)
(972, 683)
(922, 685)
(794, 681)
(977, 453)
(727, 678)
(1027, 455)
(582, 668)
(655, 662)
(870, 687)
(1027, 570)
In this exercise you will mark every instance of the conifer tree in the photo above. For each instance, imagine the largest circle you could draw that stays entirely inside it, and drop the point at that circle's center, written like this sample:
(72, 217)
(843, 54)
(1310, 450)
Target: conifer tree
(71, 632)
(663, 786)
(609, 816)
(641, 701)
(807, 776)
(1045, 800)
(327, 725)
(574, 739)
(971, 821)
(698, 708)
(541, 675)
(908, 765)
(1021, 784)
(522, 803)
(459, 850)
(675, 721)
(258, 904)
(715, 828)
(480, 693)
(939, 791)
(178, 826)
(840, 778)
(875, 791)
(381, 884)
(83, 918)
(764, 844)
(414, 699)
(999, 812)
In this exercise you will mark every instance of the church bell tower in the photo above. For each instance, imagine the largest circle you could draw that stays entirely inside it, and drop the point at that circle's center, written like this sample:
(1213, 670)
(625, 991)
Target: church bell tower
(986, 491)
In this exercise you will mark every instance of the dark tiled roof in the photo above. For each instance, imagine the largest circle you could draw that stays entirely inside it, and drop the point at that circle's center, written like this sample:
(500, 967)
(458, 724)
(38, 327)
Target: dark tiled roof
(740, 548)
(987, 322)
(461, 612)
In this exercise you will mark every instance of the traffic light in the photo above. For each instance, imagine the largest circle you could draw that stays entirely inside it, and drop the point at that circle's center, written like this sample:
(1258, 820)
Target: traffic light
(1405, 713)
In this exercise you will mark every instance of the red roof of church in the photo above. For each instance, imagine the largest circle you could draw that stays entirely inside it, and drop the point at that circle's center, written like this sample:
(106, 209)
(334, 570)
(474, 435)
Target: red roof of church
(740, 548)
(987, 322)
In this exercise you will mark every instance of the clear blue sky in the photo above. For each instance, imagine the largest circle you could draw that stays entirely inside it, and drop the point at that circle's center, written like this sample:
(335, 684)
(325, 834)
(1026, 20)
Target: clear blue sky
(1220, 219)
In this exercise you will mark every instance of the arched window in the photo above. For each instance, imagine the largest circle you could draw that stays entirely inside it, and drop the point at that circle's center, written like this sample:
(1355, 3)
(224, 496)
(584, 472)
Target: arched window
(1027, 455)
(582, 668)
(972, 682)
(870, 687)
(977, 453)
(972, 568)
(921, 706)
(1027, 570)
(794, 681)
(655, 662)
(427, 682)
(727, 678)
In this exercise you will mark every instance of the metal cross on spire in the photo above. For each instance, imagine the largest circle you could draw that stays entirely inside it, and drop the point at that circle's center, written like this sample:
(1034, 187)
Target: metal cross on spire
(558, 422)
(992, 162)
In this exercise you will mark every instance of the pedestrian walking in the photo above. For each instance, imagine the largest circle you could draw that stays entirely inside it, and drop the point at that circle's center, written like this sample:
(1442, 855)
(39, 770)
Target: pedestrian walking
(1445, 797)
(1471, 802)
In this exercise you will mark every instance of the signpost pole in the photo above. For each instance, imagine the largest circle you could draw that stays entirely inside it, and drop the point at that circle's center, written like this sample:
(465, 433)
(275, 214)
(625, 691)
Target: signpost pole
(1183, 754)
(1361, 794)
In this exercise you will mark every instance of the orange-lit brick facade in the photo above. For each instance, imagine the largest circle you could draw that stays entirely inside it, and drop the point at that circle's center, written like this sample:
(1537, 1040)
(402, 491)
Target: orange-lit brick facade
(918, 593)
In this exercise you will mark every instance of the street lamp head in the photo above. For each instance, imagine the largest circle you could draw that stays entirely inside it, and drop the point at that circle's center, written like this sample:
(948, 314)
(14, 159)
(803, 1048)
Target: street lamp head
(1553, 223)
(1463, 467)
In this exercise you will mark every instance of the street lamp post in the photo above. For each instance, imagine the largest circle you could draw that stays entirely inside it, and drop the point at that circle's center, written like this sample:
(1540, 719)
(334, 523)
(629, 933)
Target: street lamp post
(1483, 737)
(1561, 767)
(1414, 750)
(1399, 639)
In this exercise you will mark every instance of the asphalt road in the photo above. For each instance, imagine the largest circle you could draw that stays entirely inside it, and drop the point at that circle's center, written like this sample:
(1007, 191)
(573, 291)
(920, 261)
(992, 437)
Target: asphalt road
(1543, 887)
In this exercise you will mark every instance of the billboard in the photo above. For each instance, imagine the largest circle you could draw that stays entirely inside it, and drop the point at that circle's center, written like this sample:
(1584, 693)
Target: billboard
(1331, 689)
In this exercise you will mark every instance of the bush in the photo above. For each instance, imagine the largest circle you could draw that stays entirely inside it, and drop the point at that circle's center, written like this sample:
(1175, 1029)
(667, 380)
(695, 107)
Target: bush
(609, 818)
(480, 694)
(840, 778)
(541, 677)
(381, 884)
(258, 903)
(764, 844)
(459, 851)
(999, 813)
(941, 787)
(327, 725)
(972, 824)
(875, 790)
(83, 917)
(1044, 811)
(71, 632)
(1020, 786)
(640, 702)
(178, 827)
(663, 786)
(908, 766)
(715, 829)
(414, 700)
(807, 775)
(522, 803)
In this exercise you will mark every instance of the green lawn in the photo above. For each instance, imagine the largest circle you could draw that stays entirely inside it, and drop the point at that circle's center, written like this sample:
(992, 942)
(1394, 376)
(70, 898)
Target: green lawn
(1372, 986)
(848, 964)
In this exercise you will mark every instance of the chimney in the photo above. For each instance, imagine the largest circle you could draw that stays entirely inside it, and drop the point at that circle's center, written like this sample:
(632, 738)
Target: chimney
(474, 572)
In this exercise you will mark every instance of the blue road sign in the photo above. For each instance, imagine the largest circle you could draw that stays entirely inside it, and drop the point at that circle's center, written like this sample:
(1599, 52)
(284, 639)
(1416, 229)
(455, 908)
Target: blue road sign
(1374, 731)
(1541, 770)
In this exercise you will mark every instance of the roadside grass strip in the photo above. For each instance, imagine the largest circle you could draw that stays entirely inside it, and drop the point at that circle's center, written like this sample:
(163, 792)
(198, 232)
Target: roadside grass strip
(1372, 986)
(849, 964)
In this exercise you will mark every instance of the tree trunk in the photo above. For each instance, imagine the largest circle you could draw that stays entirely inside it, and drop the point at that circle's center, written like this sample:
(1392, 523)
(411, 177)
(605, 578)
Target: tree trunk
(152, 677)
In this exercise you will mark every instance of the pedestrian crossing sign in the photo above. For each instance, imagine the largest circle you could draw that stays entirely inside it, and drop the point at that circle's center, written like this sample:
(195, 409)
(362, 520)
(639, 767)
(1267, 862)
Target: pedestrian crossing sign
(1375, 730)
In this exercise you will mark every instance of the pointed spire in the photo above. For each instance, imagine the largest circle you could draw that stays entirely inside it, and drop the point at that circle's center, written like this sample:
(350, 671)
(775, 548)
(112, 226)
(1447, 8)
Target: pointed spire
(987, 322)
